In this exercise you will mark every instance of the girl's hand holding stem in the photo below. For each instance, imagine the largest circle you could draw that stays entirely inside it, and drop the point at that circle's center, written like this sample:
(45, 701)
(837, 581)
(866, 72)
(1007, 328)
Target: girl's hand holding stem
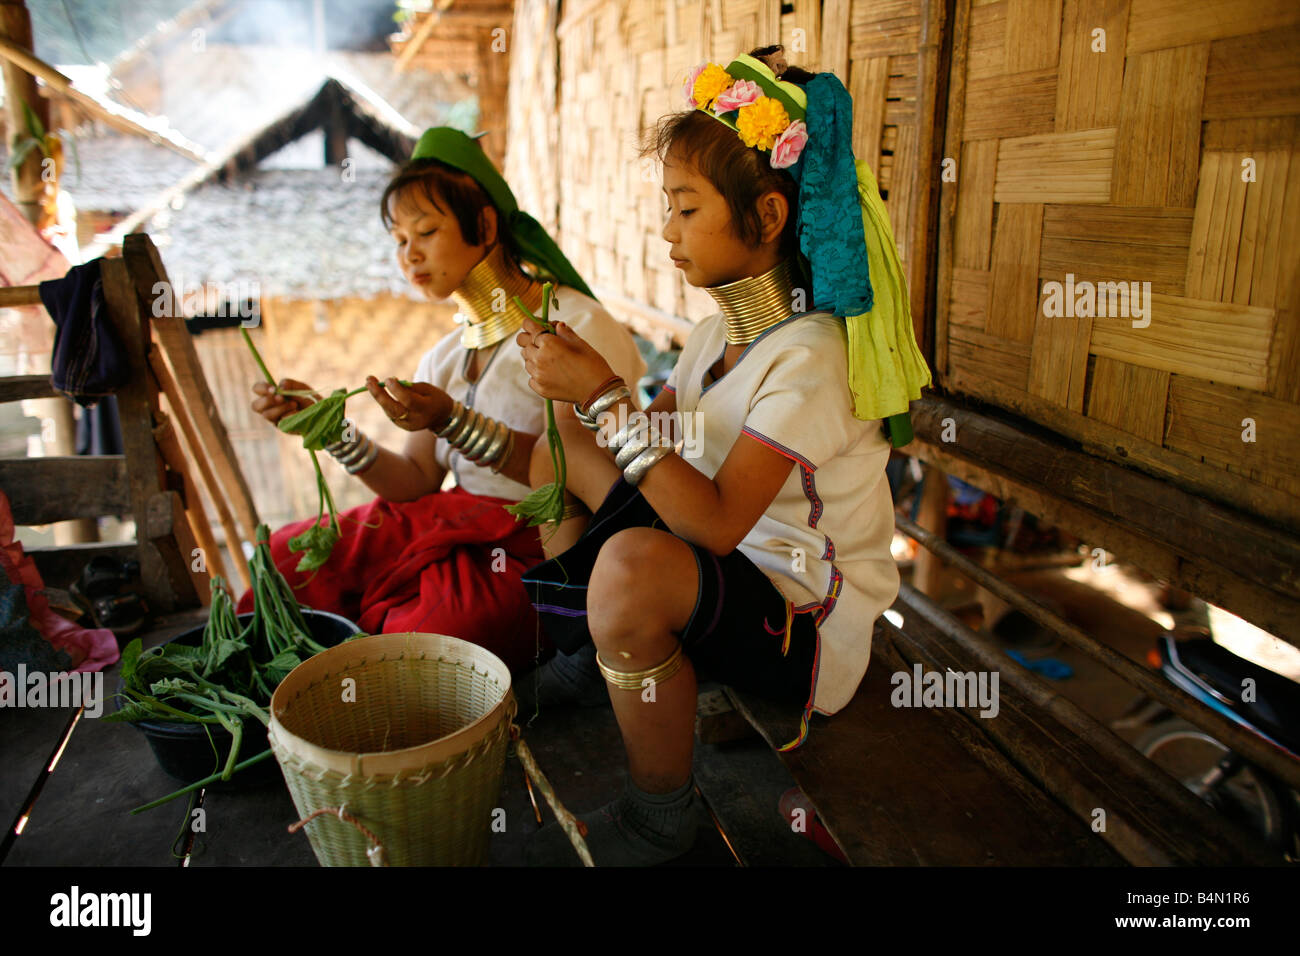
(276, 401)
(561, 366)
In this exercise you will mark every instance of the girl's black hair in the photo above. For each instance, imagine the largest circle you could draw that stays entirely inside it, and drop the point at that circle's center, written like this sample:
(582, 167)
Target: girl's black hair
(450, 190)
(740, 173)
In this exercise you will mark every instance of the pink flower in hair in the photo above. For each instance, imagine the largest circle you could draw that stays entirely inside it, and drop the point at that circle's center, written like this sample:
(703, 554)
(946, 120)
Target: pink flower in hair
(741, 93)
(688, 88)
(789, 145)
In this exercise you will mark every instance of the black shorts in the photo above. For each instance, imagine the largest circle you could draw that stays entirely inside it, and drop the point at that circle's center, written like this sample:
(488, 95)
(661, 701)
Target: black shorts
(737, 633)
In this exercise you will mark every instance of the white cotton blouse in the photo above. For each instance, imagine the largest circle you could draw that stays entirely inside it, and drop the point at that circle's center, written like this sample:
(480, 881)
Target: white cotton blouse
(502, 390)
(825, 540)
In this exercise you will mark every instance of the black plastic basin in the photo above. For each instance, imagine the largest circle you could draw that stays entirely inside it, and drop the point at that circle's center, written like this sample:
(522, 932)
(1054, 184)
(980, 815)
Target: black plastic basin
(183, 749)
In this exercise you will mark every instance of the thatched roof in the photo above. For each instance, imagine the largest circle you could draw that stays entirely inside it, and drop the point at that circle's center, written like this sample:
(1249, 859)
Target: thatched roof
(299, 233)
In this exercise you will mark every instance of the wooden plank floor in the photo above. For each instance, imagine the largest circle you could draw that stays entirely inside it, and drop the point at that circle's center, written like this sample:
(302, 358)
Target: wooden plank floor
(82, 815)
(918, 797)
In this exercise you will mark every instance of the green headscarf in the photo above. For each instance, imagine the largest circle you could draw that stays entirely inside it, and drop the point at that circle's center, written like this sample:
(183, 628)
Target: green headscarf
(460, 151)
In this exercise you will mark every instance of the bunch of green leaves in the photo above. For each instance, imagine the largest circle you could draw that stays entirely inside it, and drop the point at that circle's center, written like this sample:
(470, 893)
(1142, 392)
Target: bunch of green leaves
(545, 504)
(233, 671)
(319, 424)
(216, 682)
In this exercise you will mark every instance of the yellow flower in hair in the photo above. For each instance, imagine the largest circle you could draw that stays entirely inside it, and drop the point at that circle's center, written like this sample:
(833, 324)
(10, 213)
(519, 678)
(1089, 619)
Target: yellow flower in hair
(760, 123)
(712, 80)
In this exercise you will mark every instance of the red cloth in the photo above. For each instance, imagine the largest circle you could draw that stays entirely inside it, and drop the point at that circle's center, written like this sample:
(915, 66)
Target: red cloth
(429, 566)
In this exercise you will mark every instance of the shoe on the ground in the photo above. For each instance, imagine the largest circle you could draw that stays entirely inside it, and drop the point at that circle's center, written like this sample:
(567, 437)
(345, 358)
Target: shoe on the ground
(108, 591)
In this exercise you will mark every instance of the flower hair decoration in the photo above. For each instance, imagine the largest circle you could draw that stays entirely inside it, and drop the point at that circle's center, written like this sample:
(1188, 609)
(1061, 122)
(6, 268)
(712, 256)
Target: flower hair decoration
(766, 112)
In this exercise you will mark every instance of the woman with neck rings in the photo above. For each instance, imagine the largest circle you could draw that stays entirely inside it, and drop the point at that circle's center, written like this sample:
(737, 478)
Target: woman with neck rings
(418, 558)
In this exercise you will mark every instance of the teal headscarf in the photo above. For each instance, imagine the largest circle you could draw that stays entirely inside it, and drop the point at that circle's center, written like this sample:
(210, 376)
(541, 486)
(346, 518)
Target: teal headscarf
(460, 151)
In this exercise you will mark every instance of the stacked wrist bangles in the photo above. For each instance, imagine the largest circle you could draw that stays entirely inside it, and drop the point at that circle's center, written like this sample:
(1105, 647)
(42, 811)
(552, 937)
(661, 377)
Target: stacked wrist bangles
(356, 455)
(638, 446)
(610, 392)
(482, 440)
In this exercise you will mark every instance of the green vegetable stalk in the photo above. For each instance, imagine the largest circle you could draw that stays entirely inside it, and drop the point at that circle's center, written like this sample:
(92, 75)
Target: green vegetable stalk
(319, 424)
(231, 675)
(545, 504)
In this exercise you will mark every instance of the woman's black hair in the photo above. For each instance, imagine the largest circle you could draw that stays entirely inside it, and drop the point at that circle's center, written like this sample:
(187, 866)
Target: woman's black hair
(450, 190)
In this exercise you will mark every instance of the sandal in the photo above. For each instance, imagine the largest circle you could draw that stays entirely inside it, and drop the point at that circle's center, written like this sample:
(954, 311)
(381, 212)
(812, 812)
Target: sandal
(108, 592)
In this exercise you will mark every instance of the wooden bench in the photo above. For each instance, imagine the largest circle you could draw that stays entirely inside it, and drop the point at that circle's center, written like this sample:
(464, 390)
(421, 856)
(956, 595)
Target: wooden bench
(943, 786)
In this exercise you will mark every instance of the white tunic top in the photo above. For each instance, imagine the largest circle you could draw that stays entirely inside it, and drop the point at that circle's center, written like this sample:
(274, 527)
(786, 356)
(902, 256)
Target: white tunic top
(824, 540)
(502, 390)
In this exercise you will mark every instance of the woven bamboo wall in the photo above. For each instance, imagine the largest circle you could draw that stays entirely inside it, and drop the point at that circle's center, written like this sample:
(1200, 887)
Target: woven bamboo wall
(1131, 165)
(327, 345)
(621, 67)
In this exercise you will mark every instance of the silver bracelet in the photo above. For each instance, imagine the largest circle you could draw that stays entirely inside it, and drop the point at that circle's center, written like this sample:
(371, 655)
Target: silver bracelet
(496, 440)
(587, 421)
(356, 452)
(636, 425)
(366, 461)
(459, 435)
(606, 400)
(457, 413)
(636, 445)
(505, 454)
(634, 472)
(340, 448)
(480, 439)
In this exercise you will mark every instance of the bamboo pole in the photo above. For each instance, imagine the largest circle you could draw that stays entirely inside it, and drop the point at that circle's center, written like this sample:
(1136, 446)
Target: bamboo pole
(19, 295)
(1232, 735)
(216, 492)
(118, 117)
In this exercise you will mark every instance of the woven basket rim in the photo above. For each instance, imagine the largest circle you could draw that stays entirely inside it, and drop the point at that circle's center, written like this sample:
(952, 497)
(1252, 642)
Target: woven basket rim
(379, 647)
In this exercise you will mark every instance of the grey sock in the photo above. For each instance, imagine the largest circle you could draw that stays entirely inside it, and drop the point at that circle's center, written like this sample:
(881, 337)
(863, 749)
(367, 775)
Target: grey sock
(637, 829)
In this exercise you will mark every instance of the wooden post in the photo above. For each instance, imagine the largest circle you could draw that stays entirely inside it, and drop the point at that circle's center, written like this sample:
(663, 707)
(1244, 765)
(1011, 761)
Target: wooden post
(145, 271)
(29, 190)
(493, 86)
(20, 88)
(164, 571)
(927, 569)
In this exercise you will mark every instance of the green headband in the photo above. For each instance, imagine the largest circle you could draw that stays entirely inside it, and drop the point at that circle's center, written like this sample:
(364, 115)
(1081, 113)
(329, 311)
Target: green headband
(792, 97)
(766, 112)
(461, 151)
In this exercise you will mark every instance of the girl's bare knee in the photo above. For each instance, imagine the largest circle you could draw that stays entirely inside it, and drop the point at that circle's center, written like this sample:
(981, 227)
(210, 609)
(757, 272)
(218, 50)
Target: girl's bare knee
(624, 614)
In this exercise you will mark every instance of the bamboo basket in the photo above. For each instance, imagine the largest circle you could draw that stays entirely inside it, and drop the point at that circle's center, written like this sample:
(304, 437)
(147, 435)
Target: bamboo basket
(402, 767)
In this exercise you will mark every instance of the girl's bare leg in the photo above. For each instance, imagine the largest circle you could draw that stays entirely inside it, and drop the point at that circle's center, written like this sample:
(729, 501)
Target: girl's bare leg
(641, 595)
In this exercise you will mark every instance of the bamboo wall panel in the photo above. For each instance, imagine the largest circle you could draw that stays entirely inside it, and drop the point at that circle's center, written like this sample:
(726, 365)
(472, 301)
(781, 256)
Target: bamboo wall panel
(1129, 397)
(1108, 243)
(1016, 243)
(1055, 167)
(531, 104)
(621, 68)
(1088, 94)
(1153, 143)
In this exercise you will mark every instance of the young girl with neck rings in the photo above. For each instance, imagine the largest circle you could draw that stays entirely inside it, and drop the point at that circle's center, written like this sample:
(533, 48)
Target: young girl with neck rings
(763, 562)
(419, 558)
